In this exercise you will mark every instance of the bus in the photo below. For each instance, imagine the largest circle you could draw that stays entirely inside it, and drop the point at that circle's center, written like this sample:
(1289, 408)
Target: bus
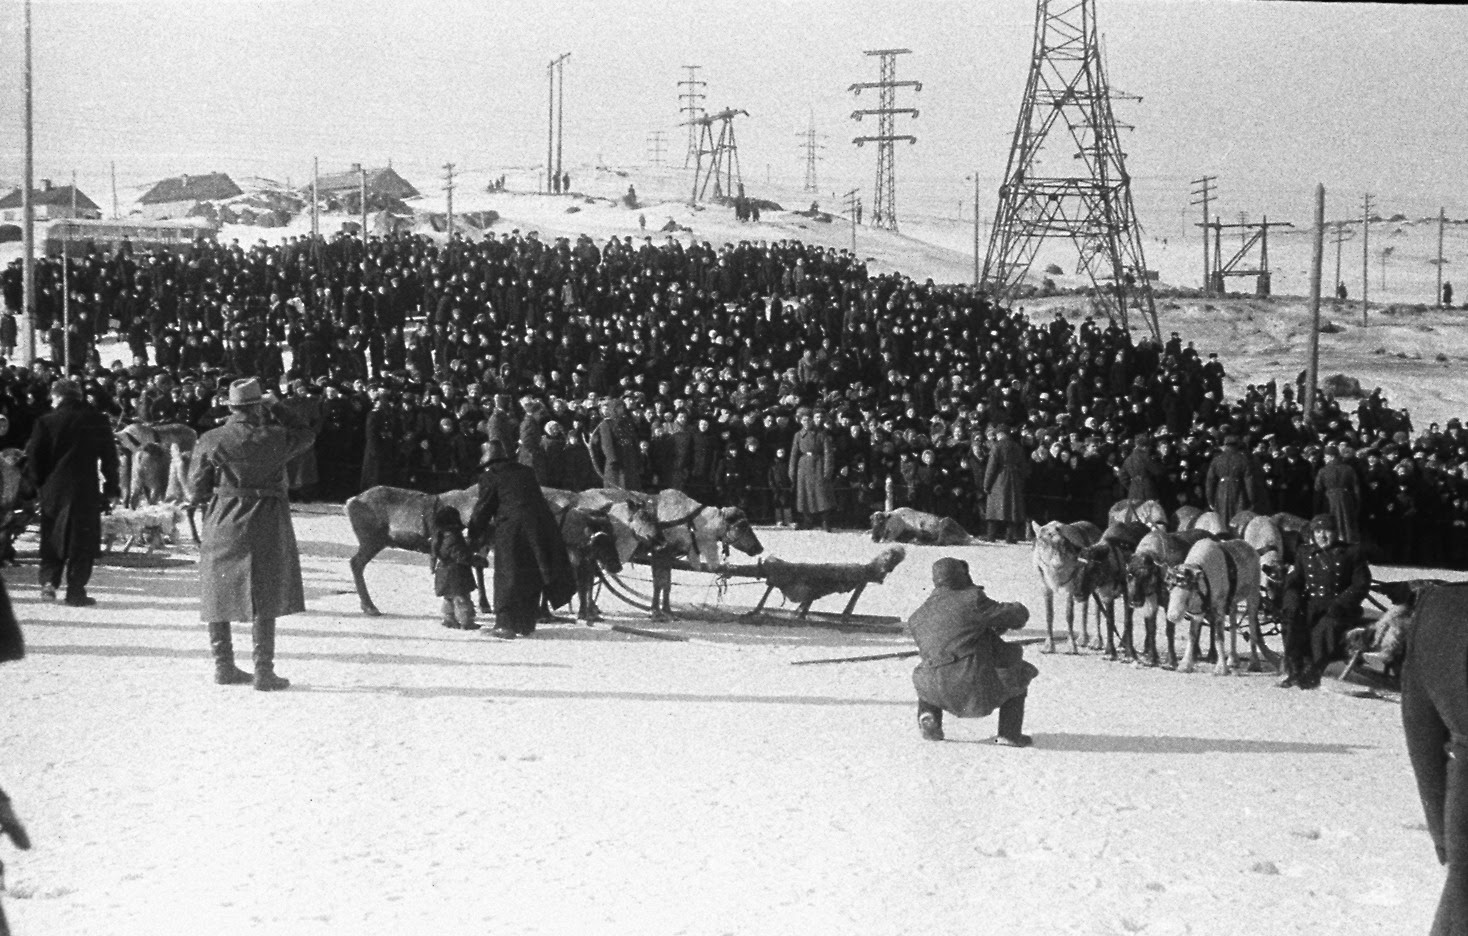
(84, 236)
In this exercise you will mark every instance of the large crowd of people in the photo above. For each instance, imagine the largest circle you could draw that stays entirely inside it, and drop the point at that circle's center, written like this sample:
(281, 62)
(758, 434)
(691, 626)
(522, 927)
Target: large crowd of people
(783, 377)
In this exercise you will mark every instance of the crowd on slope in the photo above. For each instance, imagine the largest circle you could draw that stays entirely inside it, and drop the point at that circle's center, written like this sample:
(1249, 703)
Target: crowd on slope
(783, 377)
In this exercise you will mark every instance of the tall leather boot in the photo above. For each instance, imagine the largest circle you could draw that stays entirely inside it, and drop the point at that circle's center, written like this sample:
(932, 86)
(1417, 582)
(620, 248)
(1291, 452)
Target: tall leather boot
(1011, 721)
(225, 672)
(265, 678)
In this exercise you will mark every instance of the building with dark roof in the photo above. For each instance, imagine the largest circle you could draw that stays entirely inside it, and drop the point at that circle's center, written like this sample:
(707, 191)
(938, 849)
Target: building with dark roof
(383, 181)
(50, 202)
(177, 197)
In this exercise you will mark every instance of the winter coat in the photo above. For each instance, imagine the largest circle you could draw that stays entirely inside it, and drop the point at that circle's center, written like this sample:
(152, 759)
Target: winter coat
(529, 554)
(249, 566)
(615, 452)
(1227, 483)
(810, 470)
(1434, 702)
(1141, 476)
(66, 448)
(967, 668)
(1340, 489)
(453, 564)
(302, 472)
(1004, 482)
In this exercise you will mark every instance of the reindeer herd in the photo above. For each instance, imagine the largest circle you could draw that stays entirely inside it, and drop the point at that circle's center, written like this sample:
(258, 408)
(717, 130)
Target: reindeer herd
(1192, 568)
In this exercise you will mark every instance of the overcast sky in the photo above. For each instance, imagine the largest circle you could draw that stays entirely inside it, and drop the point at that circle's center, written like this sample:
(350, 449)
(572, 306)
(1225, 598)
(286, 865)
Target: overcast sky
(1271, 97)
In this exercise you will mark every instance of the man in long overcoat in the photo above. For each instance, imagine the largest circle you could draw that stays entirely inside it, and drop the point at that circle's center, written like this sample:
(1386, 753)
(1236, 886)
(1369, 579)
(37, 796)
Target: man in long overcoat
(1005, 474)
(249, 566)
(1338, 492)
(530, 560)
(66, 449)
(614, 448)
(811, 468)
(303, 473)
(1435, 718)
(1142, 477)
(967, 668)
(1227, 482)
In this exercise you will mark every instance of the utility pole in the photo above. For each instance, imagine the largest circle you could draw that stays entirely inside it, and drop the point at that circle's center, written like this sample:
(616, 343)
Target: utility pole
(1312, 367)
(561, 112)
(656, 143)
(115, 212)
(853, 204)
(27, 330)
(448, 187)
(1343, 233)
(811, 146)
(1442, 220)
(978, 274)
(884, 209)
(1203, 197)
(689, 105)
(66, 283)
(362, 191)
(550, 125)
(315, 212)
(1365, 256)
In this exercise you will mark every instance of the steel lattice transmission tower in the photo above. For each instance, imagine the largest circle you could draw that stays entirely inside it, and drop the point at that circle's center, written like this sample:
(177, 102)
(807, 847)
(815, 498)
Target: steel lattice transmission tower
(1067, 105)
(884, 212)
(690, 104)
(722, 149)
(812, 148)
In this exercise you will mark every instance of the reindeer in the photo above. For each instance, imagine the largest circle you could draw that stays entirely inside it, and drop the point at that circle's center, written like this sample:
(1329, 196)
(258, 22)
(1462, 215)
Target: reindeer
(1208, 586)
(691, 532)
(1185, 517)
(385, 516)
(1146, 574)
(905, 525)
(1103, 577)
(1057, 558)
(1148, 512)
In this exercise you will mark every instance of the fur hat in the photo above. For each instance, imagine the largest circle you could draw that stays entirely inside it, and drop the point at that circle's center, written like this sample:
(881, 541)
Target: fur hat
(949, 572)
(66, 389)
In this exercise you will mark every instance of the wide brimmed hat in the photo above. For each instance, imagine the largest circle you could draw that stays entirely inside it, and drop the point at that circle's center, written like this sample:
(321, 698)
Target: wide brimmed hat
(245, 392)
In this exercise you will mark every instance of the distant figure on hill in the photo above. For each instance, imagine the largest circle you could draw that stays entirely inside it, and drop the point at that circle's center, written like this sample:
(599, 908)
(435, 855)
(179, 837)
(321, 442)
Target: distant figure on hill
(1447, 295)
(1340, 291)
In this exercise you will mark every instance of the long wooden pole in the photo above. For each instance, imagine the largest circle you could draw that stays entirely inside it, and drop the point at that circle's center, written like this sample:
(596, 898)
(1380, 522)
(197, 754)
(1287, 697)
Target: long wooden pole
(1442, 220)
(1317, 260)
(27, 331)
(315, 211)
(1365, 255)
(550, 138)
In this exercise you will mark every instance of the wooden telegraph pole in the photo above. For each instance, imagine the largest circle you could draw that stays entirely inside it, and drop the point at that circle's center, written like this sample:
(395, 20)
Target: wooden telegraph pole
(561, 113)
(1205, 195)
(362, 191)
(978, 272)
(27, 331)
(315, 211)
(448, 187)
(115, 212)
(1442, 220)
(1317, 258)
(1365, 256)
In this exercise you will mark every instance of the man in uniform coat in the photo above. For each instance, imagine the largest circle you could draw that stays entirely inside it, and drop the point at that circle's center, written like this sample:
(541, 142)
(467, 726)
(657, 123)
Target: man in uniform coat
(1338, 490)
(615, 450)
(1435, 718)
(1227, 482)
(967, 668)
(530, 558)
(1005, 474)
(66, 448)
(249, 567)
(1330, 580)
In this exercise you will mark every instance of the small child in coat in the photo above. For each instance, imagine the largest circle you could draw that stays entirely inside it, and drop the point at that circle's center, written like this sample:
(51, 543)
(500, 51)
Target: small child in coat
(453, 564)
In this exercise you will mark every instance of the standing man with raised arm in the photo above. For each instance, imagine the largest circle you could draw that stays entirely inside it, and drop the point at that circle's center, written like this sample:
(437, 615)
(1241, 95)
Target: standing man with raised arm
(249, 567)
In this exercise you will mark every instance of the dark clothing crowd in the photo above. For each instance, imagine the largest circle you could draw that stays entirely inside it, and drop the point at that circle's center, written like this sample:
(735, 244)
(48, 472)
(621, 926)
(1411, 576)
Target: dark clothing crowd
(407, 356)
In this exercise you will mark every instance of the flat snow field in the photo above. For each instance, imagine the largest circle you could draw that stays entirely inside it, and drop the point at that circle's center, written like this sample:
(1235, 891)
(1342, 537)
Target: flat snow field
(420, 780)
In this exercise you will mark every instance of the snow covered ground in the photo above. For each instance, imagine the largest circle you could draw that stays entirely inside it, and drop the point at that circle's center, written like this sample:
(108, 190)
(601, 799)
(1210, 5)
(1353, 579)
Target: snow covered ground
(417, 779)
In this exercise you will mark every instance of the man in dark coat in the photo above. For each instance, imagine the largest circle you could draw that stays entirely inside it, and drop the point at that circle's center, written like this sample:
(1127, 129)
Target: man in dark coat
(66, 448)
(530, 558)
(1338, 490)
(1322, 600)
(1141, 477)
(1435, 718)
(614, 448)
(966, 668)
(249, 566)
(1227, 484)
(1005, 474)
